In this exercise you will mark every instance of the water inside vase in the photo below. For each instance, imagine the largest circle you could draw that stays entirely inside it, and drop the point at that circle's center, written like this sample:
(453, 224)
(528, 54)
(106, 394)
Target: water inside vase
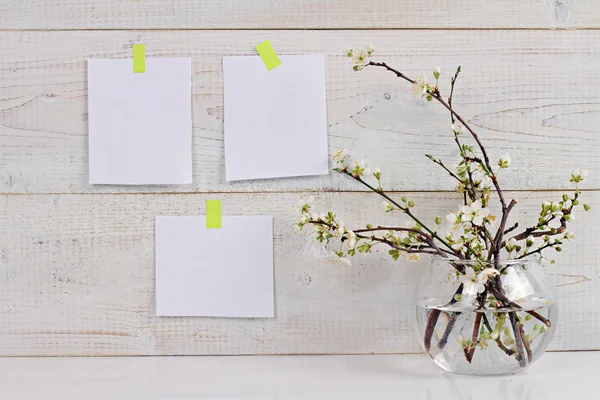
(494, 348)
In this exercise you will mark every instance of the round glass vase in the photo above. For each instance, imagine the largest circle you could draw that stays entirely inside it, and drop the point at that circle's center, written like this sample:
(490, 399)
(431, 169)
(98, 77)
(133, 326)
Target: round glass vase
(482, 318)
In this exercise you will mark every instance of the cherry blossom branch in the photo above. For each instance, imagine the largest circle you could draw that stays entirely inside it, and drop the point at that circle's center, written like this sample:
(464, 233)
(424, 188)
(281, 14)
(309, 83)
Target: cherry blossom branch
(386, 228)
(395, 71)
(416, 250)
(404, 209)
(546, 246)
(452, 83)
(435, 94)
(428, 239)
(533, 231)
(441, 164)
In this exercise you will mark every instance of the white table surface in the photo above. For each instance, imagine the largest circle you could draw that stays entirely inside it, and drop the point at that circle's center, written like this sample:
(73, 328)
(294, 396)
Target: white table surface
(556, 376)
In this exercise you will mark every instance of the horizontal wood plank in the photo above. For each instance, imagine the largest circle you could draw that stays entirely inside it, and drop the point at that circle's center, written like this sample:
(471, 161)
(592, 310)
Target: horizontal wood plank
(77, 278)
(296, 14)
(532, 94)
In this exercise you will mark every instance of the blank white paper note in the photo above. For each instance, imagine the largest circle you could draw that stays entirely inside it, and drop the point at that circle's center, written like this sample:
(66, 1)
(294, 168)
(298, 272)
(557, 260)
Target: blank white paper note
(214, 272)
(140, 124)
(275, 121)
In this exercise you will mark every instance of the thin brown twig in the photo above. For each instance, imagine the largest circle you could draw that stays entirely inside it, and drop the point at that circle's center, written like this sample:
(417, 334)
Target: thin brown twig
(452, 174)
(398, 73)
(512, 316)
(512, 228)
(452, 83)
(388, 228)
(475, 337)
(453, 316)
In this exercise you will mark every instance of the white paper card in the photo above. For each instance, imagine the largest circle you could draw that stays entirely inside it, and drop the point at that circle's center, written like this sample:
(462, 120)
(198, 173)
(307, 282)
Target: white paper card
(275, 121)
(140, 124)
(214, 272)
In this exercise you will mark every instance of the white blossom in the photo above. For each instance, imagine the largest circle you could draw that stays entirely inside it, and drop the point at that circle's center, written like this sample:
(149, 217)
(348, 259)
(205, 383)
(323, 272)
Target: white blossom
(360, 58)
(451, 218)
(474, 283)
(420, 88)
(570, 235)
(370, 49)
(481, 179)
(351, 236)
(340, 229)
(474, 213)
(359, 164)
(458, 129)
(471, 287)
(486, 274)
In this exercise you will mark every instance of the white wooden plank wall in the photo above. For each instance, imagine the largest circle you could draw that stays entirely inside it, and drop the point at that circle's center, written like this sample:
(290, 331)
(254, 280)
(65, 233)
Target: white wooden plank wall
(77, 262)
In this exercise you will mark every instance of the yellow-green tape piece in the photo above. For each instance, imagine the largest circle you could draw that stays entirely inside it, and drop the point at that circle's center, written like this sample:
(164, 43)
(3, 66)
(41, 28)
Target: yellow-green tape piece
(139, 58)
(268, 55)
(213, 213)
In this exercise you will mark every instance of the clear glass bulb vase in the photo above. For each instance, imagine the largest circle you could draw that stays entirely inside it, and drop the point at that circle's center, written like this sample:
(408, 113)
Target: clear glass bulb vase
(484, 318)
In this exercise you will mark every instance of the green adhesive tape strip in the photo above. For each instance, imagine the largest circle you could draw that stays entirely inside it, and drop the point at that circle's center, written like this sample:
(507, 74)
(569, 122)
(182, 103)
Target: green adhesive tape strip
(268, 55)
(139, 58)
(213, 213)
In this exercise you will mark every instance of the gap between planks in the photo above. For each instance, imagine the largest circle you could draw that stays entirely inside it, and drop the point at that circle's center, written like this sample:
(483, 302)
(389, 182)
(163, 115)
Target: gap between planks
(280, 192)
(298, 29)
(255, 355)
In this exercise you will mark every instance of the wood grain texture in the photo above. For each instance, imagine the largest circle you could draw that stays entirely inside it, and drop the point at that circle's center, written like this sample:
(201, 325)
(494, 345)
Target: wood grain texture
(296, 14)
(77, 278)
(532, 94)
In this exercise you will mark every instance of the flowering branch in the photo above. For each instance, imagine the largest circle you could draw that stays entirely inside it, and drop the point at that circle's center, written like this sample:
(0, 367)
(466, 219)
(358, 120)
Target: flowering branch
(473, 241)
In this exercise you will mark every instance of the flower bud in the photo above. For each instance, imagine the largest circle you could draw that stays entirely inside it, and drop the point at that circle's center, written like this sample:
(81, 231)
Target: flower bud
(529, 241)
